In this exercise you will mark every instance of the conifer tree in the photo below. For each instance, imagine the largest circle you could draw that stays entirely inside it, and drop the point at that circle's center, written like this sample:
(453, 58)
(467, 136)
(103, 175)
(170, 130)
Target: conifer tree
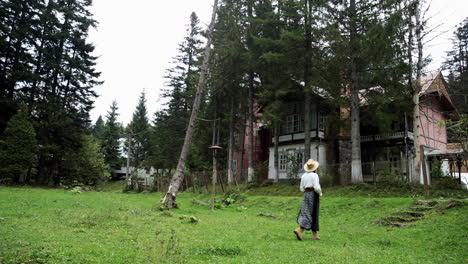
(46, 62)
(457, 64)
(86, 165)
(17, 148)
(183, 77)
(111, 138)
(227, 72)
(98, 129)
(140, 129)
(368, 33)
(170, 124)
(169, 199)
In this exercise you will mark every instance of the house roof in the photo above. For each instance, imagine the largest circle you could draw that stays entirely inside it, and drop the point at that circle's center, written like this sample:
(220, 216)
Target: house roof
(444, 152)
(434, 83)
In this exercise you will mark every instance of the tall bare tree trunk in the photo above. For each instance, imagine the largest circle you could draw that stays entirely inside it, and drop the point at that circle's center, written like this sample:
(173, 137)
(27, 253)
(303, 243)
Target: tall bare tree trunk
(169, 199)
(417, 88)
(250, 170)
(231, 143)
(409, 170)
(213, 143)
(214, 138)
(356, 167)
(307, 75)
(250, 118)
(129, 157)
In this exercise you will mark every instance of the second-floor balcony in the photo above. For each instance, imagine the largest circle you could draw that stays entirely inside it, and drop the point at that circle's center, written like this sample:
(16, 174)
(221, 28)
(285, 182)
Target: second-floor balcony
(301, 136)
(387, 136)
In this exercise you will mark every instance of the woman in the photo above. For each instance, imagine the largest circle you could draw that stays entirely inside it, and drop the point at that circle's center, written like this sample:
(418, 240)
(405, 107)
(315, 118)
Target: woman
(308, 218)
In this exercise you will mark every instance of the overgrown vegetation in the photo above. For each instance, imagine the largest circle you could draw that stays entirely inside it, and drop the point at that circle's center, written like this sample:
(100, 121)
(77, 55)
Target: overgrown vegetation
(58, 226)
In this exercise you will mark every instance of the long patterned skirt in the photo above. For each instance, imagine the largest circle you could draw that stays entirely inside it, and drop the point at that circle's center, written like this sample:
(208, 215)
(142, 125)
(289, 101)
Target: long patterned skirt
(308, 217)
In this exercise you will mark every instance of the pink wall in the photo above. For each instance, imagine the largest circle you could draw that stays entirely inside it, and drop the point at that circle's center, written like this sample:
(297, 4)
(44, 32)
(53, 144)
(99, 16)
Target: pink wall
(242, 157)
(243, 142)
(433, 134)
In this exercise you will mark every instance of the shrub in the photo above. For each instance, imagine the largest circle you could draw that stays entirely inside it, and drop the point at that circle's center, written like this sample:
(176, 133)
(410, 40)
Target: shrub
(436, 171)
(259, 170)
(231, 197)
(326, 178)
(447, 182)
(168, 214)
(391, 178)
(75, 191)
(293, 167)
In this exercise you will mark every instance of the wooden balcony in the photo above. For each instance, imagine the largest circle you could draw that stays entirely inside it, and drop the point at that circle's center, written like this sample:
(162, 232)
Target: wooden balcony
(300, 136)
(387, 136)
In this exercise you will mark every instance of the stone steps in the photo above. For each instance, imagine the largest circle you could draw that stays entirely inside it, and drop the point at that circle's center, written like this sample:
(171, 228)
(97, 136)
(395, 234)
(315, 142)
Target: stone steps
(403, 218)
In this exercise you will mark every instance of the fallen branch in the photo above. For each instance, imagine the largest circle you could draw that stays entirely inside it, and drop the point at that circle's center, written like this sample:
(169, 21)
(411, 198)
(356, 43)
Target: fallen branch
(198, 202)
(450, 204)
(268, 215)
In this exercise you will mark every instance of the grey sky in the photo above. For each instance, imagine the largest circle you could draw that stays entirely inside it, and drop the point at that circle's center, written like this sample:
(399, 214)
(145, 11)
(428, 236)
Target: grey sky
(136, 40)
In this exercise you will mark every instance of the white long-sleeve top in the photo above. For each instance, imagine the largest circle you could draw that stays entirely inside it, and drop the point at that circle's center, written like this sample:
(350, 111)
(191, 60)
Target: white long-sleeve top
(311, 180)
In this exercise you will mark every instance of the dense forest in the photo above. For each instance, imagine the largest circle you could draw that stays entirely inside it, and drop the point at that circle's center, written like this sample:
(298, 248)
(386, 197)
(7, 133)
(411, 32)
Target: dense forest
(263, 53)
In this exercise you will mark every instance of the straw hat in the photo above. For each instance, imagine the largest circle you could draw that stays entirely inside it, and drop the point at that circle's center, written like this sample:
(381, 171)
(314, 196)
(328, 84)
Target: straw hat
(311, 165)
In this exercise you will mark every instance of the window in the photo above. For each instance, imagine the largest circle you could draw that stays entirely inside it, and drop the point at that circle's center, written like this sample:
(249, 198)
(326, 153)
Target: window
(299, 156)
(234, 165)
(291, 158)
(294, 123)
(294, 118)
(282, 161)
(322, 119)
(236, 137)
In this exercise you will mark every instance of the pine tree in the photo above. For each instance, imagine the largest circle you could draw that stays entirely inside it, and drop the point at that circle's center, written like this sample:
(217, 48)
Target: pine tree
(183, 77)
(169, 199)
(98, 129)
(140, 129)
(227, 72)
(86, 165)
(111, 138)
(366, 32)
(457, 64)
(17, 148)
(170, 124)
(46, 62)
(18, 22)
(275, 67)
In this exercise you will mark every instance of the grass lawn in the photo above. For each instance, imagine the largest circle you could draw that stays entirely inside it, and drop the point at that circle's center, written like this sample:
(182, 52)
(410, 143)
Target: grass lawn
(59, 226)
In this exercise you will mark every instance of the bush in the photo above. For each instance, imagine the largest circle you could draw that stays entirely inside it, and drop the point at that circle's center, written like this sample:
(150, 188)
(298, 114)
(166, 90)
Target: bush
(326, 178)
(259, 170)
(293, 167)
(436, 171)
(266, 183)
(86, 165)
(232, 197)
(447, 182)
(391, 178)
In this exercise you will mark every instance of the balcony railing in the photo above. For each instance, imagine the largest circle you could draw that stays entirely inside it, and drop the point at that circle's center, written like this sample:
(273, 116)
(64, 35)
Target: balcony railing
(300, 136)
(395, 135)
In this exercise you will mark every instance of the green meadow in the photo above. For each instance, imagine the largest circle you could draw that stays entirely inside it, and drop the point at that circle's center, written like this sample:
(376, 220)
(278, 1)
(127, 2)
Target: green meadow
(61, 226)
